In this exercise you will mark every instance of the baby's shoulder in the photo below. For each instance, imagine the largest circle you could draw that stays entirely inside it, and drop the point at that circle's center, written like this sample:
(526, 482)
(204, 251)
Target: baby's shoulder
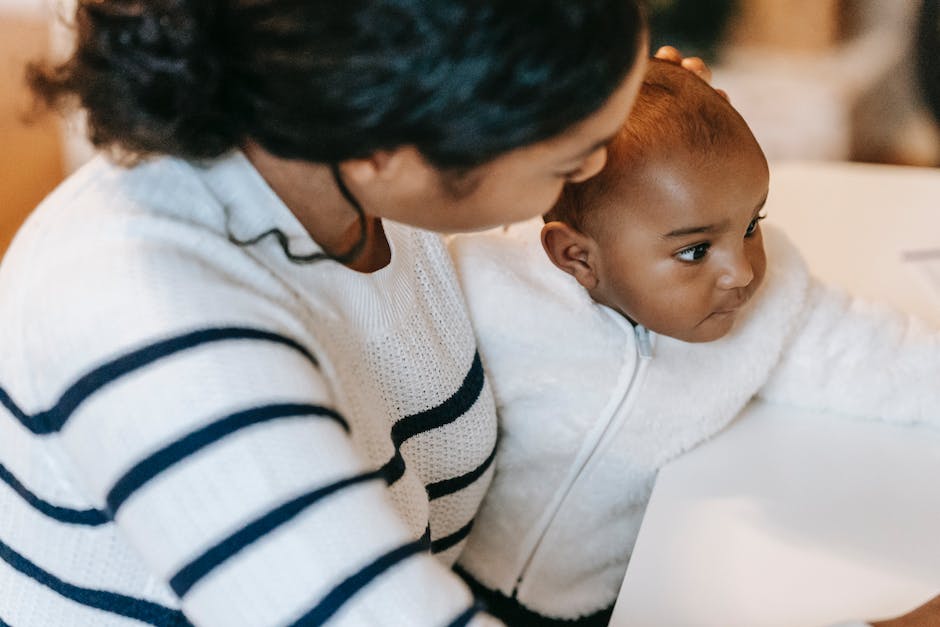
(509, 264)
(512, 246)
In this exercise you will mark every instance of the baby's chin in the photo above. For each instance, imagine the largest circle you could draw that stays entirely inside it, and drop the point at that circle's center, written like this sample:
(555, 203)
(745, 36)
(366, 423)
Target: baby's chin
(713, 328)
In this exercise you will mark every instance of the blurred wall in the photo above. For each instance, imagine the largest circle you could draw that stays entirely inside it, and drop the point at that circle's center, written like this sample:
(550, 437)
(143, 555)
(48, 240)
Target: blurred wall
(22, 5)
(30, 154)
(830, 80)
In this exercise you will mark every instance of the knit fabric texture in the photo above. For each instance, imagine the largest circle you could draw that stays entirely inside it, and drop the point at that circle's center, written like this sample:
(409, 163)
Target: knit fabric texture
(198, 432)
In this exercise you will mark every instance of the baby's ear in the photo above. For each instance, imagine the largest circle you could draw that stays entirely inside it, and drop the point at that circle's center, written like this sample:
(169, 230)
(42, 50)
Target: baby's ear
(572, 251)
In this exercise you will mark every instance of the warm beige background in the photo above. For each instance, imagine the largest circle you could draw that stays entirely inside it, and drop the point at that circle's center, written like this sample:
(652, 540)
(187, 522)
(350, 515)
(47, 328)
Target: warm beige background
(30, 154)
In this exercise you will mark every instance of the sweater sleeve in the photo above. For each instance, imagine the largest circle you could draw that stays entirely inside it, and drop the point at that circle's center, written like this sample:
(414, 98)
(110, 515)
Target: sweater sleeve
(186, 403)
(859, 358)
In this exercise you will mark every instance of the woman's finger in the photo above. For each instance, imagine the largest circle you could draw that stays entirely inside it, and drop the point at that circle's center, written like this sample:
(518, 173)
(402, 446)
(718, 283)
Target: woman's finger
(692, 64)
(668, 53)
(697, 66)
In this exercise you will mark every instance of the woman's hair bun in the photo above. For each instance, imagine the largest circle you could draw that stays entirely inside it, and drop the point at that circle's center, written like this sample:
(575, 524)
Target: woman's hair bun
(326, 80)
(149, 73)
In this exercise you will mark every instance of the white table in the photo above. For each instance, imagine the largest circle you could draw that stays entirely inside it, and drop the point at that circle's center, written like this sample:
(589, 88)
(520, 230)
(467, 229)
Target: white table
(794, 519)
(789, 520)
(855, 222)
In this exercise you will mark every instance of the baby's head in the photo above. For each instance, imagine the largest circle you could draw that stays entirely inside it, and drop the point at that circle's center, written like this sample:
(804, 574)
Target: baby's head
(668, 233)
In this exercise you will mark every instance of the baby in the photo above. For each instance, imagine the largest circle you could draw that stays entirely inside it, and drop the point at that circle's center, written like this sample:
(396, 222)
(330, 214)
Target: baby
(637, 322)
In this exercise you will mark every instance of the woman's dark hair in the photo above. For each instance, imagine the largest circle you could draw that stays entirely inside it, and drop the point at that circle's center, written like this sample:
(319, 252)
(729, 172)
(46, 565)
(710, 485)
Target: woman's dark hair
(928, 54)
(328, 80)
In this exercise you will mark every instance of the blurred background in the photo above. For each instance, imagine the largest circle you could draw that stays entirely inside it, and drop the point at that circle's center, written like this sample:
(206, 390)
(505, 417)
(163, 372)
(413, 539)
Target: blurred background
(833, 80)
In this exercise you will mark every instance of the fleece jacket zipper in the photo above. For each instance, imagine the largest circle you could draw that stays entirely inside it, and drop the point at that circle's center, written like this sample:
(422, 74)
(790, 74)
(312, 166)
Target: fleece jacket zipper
(644, 350)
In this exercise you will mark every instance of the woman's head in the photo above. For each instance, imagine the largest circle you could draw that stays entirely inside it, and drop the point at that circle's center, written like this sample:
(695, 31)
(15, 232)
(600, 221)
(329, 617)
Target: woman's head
(324, 81)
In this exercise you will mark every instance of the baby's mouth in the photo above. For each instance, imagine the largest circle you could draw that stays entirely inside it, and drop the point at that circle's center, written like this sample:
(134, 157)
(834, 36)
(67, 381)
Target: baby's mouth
(734, 306)
(728, 310)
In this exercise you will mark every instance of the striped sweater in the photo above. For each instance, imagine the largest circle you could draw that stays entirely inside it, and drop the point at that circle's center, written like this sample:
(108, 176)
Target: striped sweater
(197, 432)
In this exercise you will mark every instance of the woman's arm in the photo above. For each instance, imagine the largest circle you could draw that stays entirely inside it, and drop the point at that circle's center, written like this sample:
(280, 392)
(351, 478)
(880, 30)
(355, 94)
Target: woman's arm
(192, 411)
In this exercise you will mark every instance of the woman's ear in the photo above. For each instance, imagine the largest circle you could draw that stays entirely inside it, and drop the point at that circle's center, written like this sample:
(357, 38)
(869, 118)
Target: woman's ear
(572, 251)
(402, 166)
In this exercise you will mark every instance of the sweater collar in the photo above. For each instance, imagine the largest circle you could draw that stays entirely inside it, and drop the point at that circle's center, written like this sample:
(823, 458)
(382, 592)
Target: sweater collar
(374, 300)
(252, 208)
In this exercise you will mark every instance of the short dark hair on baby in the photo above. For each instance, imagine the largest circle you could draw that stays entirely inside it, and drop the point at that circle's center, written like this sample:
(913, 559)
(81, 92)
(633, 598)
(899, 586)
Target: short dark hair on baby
(674, 111)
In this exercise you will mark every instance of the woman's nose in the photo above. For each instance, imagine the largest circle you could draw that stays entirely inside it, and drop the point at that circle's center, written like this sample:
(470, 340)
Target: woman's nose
(592, 165)
(738, 272)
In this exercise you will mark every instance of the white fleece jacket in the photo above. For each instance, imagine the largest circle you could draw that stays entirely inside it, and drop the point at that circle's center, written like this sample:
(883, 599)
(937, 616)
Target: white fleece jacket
(590, 408)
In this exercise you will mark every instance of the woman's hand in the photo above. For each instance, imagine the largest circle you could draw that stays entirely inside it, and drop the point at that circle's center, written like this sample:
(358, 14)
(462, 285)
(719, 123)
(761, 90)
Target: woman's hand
(927, 615)
(692, 64)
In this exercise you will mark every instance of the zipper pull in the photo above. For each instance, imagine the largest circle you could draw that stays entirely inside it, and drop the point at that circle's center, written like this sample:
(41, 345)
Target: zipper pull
(643, 343)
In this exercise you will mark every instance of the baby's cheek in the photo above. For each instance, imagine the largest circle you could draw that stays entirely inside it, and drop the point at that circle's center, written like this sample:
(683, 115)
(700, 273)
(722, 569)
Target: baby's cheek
(760, 269)
(758, 258)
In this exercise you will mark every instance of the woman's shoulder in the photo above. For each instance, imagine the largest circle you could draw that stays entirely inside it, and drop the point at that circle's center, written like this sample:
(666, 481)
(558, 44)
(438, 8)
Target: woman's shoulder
(508, 264)
(498, 246)
(117, 258)
(511, 256)
(104, 198)
(111, 233)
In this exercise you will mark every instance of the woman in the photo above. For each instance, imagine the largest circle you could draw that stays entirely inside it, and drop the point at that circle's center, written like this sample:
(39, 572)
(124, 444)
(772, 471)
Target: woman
(238, 381)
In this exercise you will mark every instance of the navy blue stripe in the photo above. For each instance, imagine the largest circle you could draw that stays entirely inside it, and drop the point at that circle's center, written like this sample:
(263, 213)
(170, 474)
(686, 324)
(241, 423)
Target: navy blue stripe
(89, 517)
(445, 413)
(338, 596)
(449, 486)
(145, 611)
(171, 454)
(394, 468)
(511, 612)
(442, 544)
(193, 572)
(53, 419)
(3, 623)
(7, 402)
(466, 616)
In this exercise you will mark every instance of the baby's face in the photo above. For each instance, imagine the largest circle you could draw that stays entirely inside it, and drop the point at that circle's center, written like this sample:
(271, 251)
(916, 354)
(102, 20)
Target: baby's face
(680, 245)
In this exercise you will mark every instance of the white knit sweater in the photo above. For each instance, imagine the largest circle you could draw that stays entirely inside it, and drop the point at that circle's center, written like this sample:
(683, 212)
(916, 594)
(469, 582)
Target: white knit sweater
(588, 415)
(193, 431)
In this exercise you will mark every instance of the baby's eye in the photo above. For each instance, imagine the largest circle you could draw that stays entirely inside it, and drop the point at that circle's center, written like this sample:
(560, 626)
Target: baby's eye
(753, 226)
(693, 253)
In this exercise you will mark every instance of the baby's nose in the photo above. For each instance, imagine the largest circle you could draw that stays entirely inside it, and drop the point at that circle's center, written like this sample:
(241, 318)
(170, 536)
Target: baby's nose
(739, 272)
